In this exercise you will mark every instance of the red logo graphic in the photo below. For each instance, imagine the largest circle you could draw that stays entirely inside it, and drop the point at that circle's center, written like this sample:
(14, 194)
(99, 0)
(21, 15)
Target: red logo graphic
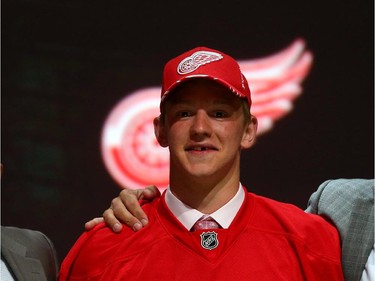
(130, 150)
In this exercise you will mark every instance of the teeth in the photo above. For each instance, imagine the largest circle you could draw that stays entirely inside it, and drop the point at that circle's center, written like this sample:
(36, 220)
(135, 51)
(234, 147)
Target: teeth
(198, 148)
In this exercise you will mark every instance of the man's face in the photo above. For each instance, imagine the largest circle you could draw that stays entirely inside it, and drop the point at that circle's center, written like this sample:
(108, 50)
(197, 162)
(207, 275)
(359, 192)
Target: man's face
(205, 130)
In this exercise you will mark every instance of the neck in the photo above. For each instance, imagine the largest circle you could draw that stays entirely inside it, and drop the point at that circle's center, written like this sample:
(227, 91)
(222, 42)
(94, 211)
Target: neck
(205, 195)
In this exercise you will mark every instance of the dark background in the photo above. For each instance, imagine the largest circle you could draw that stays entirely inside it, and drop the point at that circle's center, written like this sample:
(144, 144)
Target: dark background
(65, 64)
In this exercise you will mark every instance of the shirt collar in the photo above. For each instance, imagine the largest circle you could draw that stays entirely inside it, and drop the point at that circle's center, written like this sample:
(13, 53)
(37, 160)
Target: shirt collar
(188, 216)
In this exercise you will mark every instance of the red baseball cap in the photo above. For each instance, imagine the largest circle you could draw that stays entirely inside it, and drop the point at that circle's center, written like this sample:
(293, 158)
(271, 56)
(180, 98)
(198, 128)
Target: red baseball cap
(203, 62)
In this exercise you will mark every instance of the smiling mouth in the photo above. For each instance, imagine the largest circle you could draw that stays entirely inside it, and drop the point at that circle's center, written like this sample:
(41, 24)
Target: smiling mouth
(200, 148)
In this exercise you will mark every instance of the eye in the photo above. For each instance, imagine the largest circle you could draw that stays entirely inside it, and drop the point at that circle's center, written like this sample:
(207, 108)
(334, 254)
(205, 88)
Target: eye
(184, 114)
(219, 114)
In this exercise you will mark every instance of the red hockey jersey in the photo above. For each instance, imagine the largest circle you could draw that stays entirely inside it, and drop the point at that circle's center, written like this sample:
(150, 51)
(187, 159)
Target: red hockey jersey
(267, 240)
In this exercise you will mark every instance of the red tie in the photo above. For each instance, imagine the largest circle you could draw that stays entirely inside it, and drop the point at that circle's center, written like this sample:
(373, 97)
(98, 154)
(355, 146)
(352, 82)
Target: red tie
(205, 223)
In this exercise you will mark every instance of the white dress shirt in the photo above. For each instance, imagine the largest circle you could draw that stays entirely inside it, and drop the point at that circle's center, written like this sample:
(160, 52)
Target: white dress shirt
(369, 271)
(188, 216)
(5, 273)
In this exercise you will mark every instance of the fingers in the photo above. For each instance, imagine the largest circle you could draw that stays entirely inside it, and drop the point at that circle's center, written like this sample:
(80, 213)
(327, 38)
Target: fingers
(90, 224)
(126, 208)
(111, 221)
(151, 192)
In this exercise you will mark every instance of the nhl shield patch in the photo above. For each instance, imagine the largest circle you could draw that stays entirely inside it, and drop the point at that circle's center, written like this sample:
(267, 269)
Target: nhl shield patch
(209, 240)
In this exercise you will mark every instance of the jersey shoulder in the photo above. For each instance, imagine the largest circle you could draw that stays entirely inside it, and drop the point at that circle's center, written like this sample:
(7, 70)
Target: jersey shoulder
(97, 248)
(312, 231)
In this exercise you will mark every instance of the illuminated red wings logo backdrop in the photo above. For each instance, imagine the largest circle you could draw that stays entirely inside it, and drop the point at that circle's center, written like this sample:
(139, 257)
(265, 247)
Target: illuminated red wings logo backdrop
(130, 150)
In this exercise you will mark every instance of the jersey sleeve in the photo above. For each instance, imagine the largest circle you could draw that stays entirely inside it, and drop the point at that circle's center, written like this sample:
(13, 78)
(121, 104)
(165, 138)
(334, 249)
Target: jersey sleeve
(77, 265)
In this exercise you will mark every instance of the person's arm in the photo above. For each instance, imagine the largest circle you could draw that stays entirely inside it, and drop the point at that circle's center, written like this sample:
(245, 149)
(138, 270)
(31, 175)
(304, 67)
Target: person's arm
(126, 209)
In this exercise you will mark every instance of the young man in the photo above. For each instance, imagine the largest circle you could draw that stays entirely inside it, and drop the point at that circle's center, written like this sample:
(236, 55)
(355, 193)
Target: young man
(205, 122)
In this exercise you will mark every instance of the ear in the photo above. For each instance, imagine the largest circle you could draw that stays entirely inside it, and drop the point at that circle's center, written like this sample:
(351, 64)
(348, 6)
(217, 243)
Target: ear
(159, 130)
(249, 134)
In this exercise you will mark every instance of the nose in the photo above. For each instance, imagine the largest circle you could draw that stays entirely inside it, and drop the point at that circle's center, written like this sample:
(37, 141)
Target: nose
(201, 125)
